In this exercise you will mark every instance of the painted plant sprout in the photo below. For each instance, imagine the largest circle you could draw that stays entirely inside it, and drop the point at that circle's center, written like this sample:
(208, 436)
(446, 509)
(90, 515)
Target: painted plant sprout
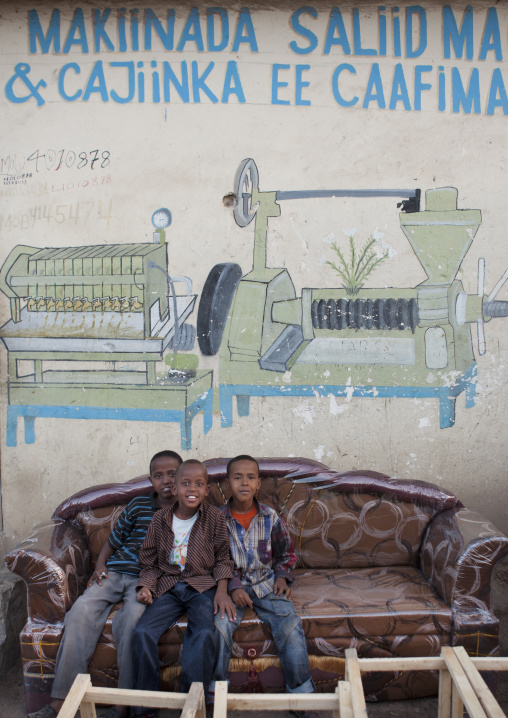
(362, 262)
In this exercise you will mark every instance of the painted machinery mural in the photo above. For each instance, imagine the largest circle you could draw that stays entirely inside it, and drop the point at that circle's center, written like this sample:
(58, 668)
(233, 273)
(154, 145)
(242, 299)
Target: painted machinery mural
(349, 340)
(90, 325)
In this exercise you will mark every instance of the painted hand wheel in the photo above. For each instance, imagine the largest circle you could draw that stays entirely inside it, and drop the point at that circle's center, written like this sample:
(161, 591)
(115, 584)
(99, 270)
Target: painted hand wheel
(214, 305)
(246, 180)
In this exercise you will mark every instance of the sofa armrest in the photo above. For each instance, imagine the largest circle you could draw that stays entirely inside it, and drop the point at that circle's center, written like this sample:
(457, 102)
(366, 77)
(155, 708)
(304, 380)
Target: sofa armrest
(458, 555)
(54, 562)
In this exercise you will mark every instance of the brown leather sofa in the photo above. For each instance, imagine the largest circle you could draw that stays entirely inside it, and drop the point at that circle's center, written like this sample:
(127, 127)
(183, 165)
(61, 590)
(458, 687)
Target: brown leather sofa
(393, 568)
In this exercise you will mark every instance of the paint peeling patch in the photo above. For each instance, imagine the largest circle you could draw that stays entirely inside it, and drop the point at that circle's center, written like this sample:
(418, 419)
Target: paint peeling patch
(319, 452)
(349, 393)
(305, 411)
(286, 377)
(335, 409)
(424, 421)
(450, 378)
(389, 249)
(430, 377)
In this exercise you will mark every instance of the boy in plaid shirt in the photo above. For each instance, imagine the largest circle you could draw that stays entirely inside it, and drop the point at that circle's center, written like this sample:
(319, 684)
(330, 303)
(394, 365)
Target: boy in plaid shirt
(262, 551)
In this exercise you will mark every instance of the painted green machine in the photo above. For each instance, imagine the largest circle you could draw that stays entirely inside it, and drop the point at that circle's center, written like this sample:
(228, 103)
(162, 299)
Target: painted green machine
(388, 342)
(89, 327)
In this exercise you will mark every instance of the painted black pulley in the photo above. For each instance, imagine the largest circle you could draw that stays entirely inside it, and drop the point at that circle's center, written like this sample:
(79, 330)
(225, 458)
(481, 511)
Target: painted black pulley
(214, 305)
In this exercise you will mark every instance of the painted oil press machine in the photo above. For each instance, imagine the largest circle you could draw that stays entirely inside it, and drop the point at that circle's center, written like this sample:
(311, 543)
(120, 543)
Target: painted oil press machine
(88, 327)
(388, 342)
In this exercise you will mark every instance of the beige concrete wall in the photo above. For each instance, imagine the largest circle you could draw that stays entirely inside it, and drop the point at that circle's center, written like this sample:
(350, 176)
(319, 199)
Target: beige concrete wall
(184, 156)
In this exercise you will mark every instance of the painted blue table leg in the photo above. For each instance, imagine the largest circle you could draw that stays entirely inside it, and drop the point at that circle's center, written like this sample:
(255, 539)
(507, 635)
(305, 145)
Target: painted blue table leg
(243, 404)
(226, 405)
(11, 438)
(471, 390)
(186, 430)
(208, 411)
(446, 409)
(29, 429)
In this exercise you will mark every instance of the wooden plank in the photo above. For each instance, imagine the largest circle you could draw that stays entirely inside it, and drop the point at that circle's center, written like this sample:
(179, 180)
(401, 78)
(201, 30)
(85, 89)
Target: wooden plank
(354, 676)
(456, 706)
(220, 707)
(74, 697)
(345, 700)
(282, 701)
(431, 663)
(87, 709)
(463, 686)
(195, 704)
(445, 694)
(487, 700)
(125, 697)
(490, 663)
(337, 712)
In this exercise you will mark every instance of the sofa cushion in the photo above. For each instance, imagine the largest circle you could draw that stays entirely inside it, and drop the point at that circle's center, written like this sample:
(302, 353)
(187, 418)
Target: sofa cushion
(352, 603)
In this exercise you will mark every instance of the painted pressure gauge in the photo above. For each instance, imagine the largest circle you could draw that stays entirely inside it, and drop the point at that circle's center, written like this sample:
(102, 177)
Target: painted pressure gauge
(161, 218)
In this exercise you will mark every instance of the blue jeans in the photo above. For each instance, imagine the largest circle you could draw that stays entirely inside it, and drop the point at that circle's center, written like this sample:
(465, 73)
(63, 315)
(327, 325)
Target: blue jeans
(279, 614)
(199, 643)
(84, 624)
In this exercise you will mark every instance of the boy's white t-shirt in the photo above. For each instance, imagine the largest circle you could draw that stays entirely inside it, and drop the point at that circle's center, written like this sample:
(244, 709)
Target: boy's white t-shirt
(182, 529)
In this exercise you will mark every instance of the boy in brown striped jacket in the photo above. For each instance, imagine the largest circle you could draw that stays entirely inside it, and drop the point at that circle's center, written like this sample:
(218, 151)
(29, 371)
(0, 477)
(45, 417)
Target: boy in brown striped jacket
(185, 567)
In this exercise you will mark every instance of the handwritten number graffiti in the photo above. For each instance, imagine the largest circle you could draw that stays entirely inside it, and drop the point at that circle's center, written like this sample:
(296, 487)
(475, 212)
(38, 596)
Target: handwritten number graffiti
(94, 159)
(55, 159)
(35, 157)
(70, 158)
(50, 159)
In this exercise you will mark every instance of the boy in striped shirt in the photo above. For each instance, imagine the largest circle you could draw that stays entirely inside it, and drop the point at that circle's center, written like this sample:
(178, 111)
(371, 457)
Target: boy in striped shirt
(114, 579)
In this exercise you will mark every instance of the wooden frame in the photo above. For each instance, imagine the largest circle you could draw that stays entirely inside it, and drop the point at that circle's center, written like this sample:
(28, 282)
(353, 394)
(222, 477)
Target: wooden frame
(460, 683)
(460, 686)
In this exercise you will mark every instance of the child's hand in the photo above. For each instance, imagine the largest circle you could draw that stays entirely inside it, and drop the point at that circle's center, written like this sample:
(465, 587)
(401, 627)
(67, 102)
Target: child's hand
(144, 595)
(224, 604)
(241, 598)
(100, 572)
(281, 588)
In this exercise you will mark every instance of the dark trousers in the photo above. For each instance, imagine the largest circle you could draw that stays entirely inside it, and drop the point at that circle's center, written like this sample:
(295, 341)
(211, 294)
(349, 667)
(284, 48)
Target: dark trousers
(199, 642)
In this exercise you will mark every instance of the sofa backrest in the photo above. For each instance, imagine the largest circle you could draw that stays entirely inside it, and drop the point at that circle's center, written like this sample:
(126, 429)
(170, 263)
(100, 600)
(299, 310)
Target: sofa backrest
(347, 520)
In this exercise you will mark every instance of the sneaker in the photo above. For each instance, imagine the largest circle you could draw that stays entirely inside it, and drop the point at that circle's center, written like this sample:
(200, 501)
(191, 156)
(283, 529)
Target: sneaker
(45, 712)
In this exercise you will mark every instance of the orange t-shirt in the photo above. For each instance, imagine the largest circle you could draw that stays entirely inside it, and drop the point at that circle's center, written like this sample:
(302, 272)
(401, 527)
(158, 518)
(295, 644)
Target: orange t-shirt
(245, 519)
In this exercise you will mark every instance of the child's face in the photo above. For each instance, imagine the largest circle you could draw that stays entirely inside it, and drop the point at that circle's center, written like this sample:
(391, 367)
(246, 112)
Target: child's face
(244, 482)
(191, 488)
(163, 478)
